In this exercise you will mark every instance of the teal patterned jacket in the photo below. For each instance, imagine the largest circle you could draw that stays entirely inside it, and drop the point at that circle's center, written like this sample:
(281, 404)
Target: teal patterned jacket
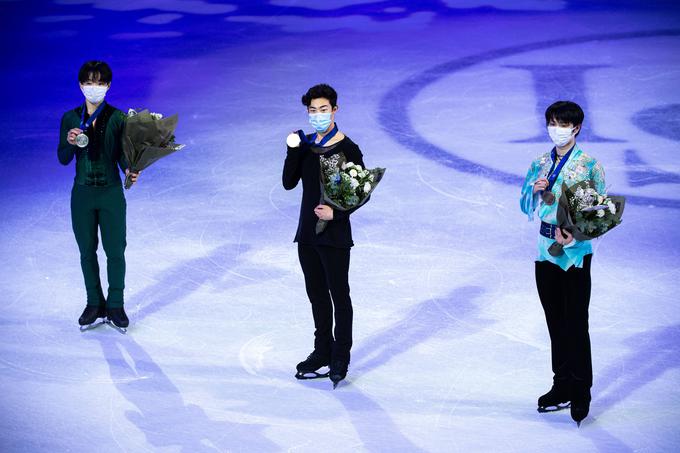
(580, 167)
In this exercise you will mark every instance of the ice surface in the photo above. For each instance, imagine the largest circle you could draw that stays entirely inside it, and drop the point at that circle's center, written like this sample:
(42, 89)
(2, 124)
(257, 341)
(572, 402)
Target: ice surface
(451, 349)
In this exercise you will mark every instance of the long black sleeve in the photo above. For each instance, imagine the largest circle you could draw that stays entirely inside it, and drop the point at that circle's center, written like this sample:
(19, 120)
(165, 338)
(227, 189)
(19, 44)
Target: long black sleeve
(292, 172)
(118, 123)
(65, 152)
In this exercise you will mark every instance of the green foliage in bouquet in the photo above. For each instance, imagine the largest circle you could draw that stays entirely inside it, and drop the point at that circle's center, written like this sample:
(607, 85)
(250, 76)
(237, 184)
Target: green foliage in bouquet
(345, 185)
(593, 214)
(585, 213)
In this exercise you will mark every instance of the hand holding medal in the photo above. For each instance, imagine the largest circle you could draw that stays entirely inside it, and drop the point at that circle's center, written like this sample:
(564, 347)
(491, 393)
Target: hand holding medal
(81, 139)
(548, 197)
(72, 136)
(557, 163)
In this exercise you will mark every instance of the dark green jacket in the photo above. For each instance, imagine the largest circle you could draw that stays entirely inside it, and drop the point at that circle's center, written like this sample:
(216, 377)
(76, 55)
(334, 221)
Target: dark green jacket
(103, 171)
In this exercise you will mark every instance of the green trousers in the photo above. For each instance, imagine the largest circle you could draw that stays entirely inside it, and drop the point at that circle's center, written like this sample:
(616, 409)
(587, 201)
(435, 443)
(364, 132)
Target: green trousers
(95, 209)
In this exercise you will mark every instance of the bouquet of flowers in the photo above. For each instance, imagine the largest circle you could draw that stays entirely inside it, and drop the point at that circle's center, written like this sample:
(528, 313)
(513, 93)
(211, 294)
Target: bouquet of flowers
(585, 213)
(345, 185)
(147, 137)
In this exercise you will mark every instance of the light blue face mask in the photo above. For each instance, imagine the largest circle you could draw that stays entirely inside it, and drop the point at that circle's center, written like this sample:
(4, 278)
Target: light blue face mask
(320, 121)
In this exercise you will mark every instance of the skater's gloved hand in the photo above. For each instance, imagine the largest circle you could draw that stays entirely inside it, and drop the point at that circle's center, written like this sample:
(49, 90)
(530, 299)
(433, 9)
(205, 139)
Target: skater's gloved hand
(133, 175)
(540, 184)
(563, 236)
(72, 134)
(324, 212)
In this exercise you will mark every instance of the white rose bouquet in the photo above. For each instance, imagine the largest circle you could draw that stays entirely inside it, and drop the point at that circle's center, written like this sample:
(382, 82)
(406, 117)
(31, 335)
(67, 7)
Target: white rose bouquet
(585, 213)
(345, 185)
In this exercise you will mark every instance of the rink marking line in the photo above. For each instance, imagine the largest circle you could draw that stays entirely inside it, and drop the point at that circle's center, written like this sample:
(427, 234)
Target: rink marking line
(392, 118)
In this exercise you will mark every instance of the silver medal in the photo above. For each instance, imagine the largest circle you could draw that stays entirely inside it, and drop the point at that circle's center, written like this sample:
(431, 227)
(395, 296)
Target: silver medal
(82, 140)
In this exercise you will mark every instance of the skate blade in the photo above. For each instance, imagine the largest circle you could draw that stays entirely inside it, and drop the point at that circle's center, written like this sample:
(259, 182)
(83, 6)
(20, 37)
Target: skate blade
(559, 407)
(94, 325)
(310, 375)
(122, 330)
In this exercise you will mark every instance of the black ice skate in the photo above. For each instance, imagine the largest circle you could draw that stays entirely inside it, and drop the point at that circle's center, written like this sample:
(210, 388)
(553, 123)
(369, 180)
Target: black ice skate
(338, 371)
(308, 369)
(580, 406)
(117, 319)
(579, 409)
(88, 320)
(556, 399)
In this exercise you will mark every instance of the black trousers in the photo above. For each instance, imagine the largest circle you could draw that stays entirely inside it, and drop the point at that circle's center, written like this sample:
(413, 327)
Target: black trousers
(565, 297)
(95, 209)
(326, 271)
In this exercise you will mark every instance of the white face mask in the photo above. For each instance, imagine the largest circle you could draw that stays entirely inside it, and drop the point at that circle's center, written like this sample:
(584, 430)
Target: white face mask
(560, 136)
(94, 93)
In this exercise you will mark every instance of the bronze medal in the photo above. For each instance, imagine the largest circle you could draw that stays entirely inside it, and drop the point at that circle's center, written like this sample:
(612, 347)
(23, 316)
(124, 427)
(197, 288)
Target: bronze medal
(548, 197)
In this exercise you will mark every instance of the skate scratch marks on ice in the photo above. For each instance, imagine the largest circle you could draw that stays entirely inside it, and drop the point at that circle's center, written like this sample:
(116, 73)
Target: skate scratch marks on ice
(271, 201)
(446, 194)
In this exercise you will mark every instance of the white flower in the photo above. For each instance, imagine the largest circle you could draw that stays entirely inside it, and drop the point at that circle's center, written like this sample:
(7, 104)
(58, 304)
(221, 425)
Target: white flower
(358, 167)
(349, 165)
(156, 116)
(353, 173)
(611, 206)
(367, 187)
(131, 112)
(600, 212)
(293, 140)
(371, 178)
(353, 183)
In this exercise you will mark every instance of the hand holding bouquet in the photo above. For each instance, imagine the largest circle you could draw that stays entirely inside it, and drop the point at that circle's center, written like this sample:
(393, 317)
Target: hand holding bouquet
(585, 213)
(345, 185)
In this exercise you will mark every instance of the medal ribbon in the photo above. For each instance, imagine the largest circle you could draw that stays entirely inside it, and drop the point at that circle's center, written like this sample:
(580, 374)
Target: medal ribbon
(323, 141)
(84, 125)
(552, 175)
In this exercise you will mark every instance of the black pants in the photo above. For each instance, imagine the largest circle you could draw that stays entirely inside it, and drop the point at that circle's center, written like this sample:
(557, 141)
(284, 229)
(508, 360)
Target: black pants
(93, 209)
(565, 297)
(326, 271)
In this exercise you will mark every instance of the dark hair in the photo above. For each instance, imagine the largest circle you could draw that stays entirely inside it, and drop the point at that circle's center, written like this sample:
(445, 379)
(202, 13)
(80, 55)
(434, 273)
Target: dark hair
(94, 70)
(565, 112)
(321, 90)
